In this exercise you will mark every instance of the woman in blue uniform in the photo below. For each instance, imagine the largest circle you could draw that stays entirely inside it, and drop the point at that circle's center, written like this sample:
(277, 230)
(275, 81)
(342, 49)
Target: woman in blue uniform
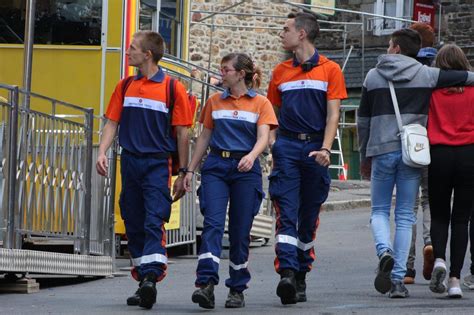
(236, 126)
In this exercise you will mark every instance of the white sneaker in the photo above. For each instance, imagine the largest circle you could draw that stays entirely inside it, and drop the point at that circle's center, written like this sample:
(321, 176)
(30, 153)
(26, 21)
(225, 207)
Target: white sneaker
(454, 288)
(469, 282)
(438, 277)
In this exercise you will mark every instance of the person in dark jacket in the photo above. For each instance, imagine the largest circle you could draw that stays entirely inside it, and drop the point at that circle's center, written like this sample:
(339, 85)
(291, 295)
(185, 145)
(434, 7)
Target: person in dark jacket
(425, 56)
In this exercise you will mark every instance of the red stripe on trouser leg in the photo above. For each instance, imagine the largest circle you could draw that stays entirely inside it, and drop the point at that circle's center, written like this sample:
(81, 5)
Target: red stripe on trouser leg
(277, 228)
(163, 243)
(135, 274)
(163, 239)
(311, 252)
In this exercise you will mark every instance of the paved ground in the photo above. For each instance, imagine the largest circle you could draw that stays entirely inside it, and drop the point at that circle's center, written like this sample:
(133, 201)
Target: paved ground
(341, 283)
(348, 194)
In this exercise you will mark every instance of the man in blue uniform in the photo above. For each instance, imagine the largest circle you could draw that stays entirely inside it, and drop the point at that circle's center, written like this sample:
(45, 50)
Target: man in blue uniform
(306, 92)
(141, 107)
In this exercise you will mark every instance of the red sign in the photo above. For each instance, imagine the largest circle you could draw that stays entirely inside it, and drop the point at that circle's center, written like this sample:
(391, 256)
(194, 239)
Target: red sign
(424, 13)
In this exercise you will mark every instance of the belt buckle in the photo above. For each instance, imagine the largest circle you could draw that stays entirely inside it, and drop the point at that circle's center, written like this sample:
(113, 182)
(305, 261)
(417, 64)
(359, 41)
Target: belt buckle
(225, 154)
(302, 136)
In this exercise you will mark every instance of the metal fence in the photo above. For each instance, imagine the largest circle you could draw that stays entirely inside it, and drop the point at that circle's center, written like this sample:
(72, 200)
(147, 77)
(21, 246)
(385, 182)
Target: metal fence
(5, 116)
(45, 180)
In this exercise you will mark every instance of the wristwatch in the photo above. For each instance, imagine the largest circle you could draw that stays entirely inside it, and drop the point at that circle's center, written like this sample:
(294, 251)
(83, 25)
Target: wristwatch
(182, 171)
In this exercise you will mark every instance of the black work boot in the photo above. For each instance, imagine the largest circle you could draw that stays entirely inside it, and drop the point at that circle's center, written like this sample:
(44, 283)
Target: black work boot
(286, 289)
(204, 296)
(147, 291)
(235, 299)
(134, 299)
(301, 286)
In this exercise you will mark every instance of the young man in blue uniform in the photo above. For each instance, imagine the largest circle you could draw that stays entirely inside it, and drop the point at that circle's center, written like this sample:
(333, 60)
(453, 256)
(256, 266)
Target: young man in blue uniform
(306, 92)
(141, 107)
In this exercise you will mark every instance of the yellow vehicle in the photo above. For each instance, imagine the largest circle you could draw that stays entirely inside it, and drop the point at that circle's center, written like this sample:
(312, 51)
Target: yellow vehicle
(79, 47)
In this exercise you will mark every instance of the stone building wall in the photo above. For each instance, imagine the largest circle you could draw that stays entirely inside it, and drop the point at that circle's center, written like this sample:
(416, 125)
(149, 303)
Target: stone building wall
(264, 45)
(458, 25)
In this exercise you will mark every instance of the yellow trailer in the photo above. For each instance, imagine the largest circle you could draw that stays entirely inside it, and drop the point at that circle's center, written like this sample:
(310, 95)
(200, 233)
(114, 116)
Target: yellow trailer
(84, 69)
(79, 48)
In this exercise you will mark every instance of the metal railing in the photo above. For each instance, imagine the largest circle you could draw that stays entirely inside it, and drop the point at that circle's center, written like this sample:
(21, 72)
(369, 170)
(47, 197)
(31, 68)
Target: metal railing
(6, 111)
(45, 178)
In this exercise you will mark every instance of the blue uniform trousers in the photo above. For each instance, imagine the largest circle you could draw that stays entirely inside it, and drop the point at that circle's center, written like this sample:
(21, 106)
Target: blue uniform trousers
(221, 181)
(145, 205)
(298, 187)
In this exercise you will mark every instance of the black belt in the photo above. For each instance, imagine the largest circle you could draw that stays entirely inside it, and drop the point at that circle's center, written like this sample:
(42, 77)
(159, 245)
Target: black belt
(302, 136)
(229, 154)
(158, 155)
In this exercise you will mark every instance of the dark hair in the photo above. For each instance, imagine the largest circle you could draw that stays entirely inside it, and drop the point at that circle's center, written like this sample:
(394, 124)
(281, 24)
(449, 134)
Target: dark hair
(241, 61)
(426, 32)
(308, 22)
(153, 42)
(408, 40)
(451, 57)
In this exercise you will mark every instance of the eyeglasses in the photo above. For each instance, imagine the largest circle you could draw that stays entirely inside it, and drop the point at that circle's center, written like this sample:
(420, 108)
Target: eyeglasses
(225, 70)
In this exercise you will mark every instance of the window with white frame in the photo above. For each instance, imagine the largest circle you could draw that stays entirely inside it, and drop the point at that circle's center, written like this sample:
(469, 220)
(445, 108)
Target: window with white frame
(389, 8)
(170, 20)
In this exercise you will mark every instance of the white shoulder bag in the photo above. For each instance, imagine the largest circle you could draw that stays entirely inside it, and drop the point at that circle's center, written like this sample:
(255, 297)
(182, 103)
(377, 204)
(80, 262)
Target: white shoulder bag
(415, 143)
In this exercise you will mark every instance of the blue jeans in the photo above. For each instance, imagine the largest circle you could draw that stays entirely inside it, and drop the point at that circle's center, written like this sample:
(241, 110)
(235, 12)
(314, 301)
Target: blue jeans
(388, 170)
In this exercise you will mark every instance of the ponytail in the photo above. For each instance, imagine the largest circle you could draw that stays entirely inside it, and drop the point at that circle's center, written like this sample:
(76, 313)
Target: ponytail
(241, 61)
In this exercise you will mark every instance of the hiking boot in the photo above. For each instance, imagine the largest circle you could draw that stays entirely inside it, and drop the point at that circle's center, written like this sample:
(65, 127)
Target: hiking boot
(398, 290)
(409, 276)
(428, 261)
(235, 299)
(204, 296)
(382, 281)
(301, 286)
(147, 291)
(134, 299)
(438, 277)
(469, 282)
(454, 288)
(286, 288)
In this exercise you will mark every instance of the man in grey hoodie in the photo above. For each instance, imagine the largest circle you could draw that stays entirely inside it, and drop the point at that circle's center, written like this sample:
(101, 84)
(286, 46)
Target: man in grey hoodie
(380, 147)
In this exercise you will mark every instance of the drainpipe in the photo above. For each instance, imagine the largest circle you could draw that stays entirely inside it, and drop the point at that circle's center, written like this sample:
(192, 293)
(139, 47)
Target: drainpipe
(28, 48)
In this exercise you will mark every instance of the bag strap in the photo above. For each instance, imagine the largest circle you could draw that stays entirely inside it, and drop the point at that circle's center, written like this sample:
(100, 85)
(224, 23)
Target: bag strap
(126, 83)
(395, 106)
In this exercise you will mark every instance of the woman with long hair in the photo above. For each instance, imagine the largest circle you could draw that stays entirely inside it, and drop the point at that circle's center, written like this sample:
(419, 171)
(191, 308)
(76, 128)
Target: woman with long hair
(451, 134)
(236, 126)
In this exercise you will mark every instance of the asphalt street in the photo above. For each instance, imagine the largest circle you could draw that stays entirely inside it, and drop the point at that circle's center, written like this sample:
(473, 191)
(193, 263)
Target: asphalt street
(341, 283)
